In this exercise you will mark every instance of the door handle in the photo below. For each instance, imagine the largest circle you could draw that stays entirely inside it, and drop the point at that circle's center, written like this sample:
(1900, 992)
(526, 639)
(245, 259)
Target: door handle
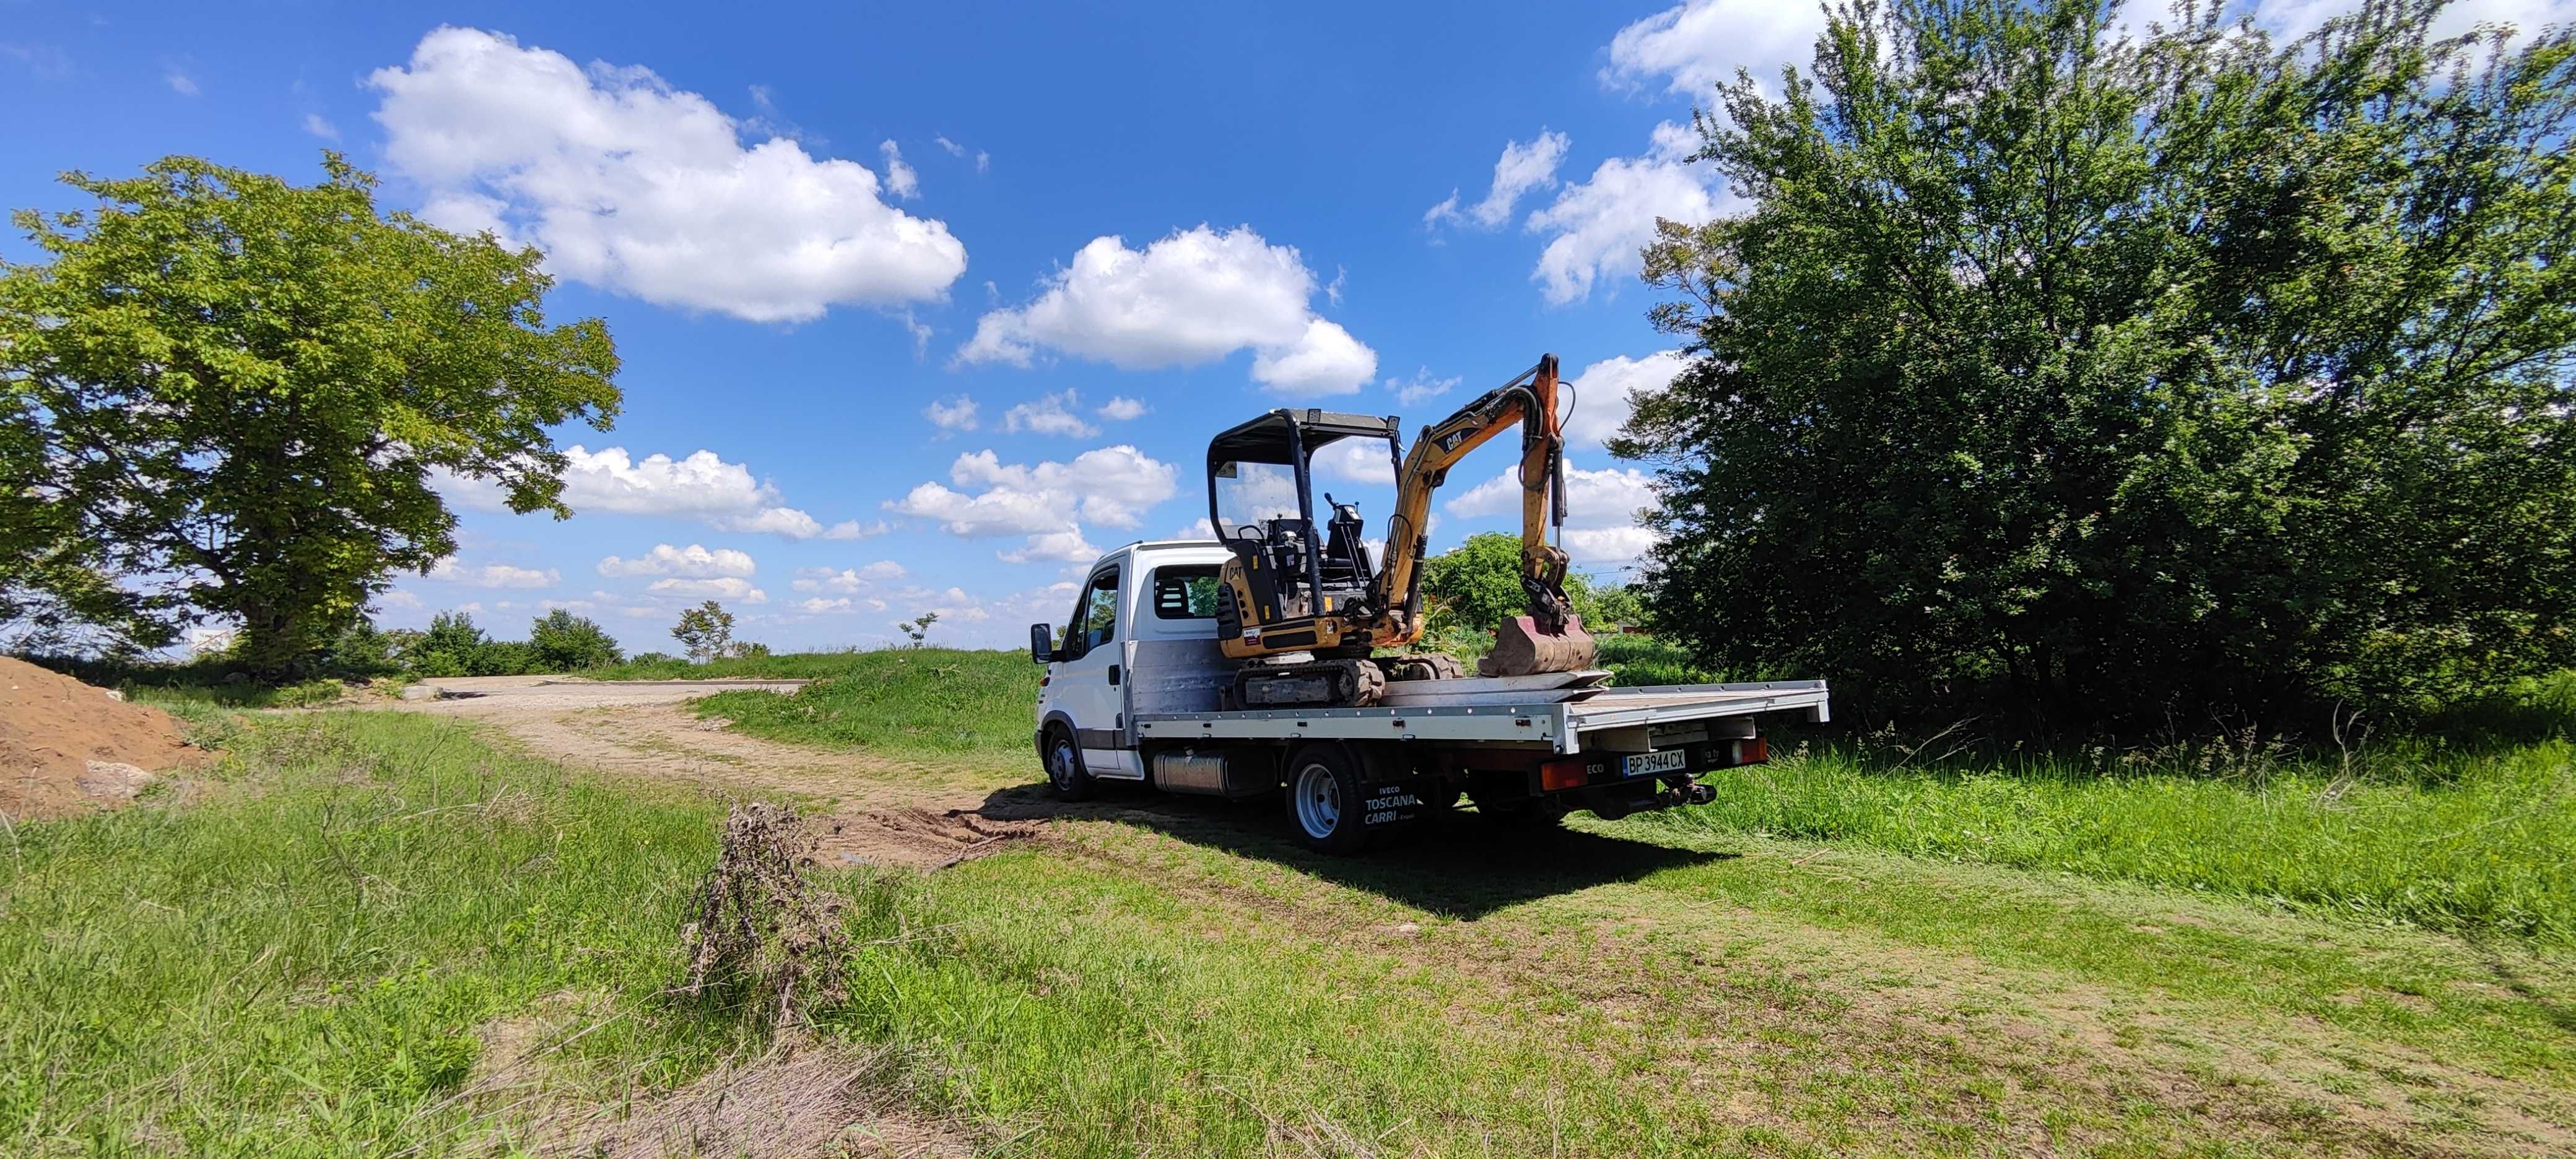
(1113, 676)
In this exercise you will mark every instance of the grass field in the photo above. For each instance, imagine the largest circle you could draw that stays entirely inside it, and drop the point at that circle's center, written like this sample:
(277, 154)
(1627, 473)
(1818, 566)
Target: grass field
(338, 947)
(308, 961)
(2407, 830)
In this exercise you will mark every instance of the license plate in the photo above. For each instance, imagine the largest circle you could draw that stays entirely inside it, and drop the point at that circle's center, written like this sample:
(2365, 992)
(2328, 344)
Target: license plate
(1644, 764)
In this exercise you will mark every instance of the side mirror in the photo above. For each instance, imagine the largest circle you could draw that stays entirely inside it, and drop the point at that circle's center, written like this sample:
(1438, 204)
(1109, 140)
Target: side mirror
(1042, 643)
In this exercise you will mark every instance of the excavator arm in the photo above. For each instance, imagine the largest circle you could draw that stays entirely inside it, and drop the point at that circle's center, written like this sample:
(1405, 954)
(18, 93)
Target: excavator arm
(1550, 638)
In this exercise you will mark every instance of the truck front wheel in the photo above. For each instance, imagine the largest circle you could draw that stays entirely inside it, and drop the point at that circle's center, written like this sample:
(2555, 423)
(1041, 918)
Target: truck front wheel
(1064, 770)
(1325, 799)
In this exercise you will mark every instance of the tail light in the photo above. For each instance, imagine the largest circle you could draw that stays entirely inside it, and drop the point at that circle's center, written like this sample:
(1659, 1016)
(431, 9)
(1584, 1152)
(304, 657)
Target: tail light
(1569, 773)
(1752, 751)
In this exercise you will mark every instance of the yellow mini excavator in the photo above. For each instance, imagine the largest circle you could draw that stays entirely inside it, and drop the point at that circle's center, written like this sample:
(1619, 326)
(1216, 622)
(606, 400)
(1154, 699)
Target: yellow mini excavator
(1305, 615)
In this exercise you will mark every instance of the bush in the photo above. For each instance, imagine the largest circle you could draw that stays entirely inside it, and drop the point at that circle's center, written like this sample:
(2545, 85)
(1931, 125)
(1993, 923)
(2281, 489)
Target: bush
(504, 658)
(1478, 583)
(448, 648)
(563, 642)
(2183, 380)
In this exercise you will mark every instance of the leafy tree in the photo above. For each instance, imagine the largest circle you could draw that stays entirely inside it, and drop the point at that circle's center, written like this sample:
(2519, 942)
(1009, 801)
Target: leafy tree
(919, 630)
(2090, 381)
(564, 642)
(705, 631)
(1478, 583)
(450, 647)
(503, 658)
(237, 392)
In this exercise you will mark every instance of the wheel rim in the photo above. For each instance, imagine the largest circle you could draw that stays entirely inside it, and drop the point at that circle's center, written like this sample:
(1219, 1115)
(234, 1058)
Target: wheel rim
(1319, 801)
(1061, 768)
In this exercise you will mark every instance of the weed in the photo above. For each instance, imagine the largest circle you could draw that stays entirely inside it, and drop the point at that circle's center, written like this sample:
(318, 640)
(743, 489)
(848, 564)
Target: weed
(759, 933)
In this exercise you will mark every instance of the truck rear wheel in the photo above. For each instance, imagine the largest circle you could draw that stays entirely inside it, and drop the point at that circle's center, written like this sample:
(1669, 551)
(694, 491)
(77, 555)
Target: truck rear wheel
(1325, 800)
(1064, 770)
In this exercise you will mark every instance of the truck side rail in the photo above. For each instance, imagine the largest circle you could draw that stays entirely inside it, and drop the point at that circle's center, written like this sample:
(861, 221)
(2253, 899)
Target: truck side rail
(1557, 725)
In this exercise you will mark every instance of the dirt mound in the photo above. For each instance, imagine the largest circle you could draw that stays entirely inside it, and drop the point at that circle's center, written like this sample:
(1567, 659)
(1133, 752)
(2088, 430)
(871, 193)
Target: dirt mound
(918, 837)
(67, 747)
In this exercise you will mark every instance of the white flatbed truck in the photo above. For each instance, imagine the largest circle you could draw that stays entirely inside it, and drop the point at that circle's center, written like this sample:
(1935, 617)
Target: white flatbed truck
(1135, 688)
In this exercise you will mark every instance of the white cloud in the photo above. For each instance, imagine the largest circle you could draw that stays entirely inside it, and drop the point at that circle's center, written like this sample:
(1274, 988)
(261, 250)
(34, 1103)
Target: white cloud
(1065, 546)
(1188, 299)
(43, 61)
(315, 124)
(1522, 168)
(637, 187)
(398, 598)
(181, 83)
(693, 560)
(2288, 20)
(702, 486)
(1198, 528)
(823, 607)
(1357, 461)
(900, 179)
(824, 579)
(1421, 387)
(733, 588)
(1049, 415)
(795, 524)
(1121, 408)
(1604, 394)
(1693, 46)
(1112, 485)
(1600, 509)
(1599, 225)
(983, 160)
(493, 575)
(951, 415)
(1324, 360)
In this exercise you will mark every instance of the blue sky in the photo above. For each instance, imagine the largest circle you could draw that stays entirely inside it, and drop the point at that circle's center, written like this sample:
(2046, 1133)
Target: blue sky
(819, 236)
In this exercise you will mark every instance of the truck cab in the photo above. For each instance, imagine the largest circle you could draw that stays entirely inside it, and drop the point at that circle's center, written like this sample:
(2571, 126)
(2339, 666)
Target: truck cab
(1145, 612)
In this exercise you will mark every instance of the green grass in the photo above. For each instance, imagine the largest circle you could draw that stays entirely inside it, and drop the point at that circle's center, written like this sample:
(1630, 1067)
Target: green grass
(310, 960)
(781, 666)
(2475, 841)
(934, 700)
(299, 963)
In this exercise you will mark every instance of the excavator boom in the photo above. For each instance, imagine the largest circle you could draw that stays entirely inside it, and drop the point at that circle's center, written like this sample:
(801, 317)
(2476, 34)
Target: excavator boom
(1550, 638)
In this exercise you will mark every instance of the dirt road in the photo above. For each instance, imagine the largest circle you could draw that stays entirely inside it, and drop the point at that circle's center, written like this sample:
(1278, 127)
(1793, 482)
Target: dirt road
(873, 808)
(1954, 973)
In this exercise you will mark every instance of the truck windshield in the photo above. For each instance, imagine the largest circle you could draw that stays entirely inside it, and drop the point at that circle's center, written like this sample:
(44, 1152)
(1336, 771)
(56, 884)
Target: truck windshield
(1250, 495)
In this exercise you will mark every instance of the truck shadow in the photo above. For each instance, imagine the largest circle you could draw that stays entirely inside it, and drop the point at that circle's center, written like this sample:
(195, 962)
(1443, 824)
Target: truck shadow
(1457, 865)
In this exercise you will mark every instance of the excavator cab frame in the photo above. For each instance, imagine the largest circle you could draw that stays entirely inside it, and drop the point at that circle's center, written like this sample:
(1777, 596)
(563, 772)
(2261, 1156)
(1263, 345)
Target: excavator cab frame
(1288, 576)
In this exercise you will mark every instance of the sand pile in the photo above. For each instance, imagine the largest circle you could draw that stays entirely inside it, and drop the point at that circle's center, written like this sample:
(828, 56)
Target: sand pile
(68, 747)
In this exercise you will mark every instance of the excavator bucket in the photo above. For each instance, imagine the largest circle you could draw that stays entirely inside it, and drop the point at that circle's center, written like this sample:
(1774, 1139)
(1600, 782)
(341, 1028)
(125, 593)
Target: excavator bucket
(1521, 649)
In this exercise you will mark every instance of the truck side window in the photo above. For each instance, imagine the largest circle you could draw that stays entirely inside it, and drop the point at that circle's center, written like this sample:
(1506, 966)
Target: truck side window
(1185, 593)
(1096, 619)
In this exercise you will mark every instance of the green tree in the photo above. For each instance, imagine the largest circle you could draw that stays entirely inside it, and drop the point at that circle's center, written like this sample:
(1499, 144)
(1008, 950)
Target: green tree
(706, 631)
(563, 642)
(238, 392)
(452, 646)
(2091, 381)
(1478, 583)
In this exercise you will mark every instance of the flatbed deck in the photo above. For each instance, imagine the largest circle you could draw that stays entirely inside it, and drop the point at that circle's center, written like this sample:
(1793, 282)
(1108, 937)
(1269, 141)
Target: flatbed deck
(1558, 725)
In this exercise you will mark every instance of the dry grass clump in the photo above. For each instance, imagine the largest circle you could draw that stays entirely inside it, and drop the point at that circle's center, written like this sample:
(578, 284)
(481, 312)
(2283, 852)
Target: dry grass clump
(759, 930)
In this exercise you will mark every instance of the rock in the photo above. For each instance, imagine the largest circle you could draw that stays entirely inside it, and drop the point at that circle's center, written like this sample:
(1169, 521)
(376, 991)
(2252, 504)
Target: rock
(115, 693)
(114, 780)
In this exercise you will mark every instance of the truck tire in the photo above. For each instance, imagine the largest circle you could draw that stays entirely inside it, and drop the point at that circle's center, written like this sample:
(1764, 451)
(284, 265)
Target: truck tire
(1064, 770)
(1324, 799)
